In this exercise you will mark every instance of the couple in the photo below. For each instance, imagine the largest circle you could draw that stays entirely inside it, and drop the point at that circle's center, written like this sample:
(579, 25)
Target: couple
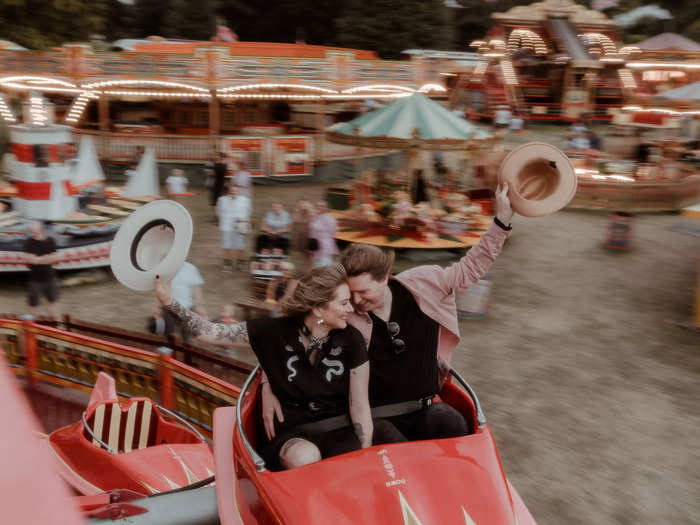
(352, 334)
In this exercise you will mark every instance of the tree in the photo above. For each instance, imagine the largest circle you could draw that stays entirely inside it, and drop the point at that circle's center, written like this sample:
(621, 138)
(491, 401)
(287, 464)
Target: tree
(391, 26)
(39, 24)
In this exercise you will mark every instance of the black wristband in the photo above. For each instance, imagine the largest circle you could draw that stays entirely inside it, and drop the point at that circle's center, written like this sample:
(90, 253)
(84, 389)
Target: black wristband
(501, 225)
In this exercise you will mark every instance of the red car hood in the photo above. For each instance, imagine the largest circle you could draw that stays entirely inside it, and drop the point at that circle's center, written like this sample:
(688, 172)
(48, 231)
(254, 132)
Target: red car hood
(455, 481)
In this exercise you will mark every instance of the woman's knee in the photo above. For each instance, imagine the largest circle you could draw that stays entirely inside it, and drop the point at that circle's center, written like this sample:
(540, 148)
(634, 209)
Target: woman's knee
(297, 452)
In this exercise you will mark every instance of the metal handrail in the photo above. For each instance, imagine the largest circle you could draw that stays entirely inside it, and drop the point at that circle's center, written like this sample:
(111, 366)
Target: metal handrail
(183, 421)
(480, 417)
(159, 407)
(257, 459)
(87, 427)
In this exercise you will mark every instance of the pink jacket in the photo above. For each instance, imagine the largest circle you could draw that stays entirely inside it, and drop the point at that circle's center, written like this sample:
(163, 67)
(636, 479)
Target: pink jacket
(434, 287)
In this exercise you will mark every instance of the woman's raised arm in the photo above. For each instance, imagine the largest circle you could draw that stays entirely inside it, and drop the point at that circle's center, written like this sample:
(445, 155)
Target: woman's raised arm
(199, 327)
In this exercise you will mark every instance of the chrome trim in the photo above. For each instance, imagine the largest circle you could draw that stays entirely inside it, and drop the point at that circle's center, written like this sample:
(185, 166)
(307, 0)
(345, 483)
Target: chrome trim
(480, 417)
(181, 420)
(257, 459)
(87, 427)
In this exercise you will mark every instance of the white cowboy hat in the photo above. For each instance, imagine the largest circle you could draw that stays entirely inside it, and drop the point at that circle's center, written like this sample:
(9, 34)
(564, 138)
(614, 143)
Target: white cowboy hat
(153, 240)
(540, 177)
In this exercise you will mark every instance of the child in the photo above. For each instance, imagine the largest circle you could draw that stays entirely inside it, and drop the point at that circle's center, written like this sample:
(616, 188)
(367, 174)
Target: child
(177, 183)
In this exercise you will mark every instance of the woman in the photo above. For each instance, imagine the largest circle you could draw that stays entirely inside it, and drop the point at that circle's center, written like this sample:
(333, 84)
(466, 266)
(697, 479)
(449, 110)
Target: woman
(313, 362)
(323, 227)
(234, 219)
(302, 217)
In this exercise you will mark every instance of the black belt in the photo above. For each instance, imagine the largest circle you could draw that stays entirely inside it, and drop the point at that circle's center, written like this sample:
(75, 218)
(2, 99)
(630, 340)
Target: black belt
(394, 409)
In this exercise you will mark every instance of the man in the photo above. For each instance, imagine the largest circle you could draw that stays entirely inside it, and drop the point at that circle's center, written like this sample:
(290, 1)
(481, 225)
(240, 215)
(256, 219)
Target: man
(220, 171)
(244, 180)
(41, 254)
(234, 221)
(410, 324)
(275, 229)
(186, 289)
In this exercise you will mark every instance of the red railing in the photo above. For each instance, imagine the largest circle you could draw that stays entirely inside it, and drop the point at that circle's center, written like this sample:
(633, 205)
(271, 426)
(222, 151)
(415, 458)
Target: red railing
(44, 353)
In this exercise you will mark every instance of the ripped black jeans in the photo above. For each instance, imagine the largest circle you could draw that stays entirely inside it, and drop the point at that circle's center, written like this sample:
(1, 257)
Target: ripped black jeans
(438, 420)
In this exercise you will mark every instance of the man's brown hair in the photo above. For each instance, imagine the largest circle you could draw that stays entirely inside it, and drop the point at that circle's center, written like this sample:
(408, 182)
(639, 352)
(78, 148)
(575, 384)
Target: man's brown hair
(362, 258)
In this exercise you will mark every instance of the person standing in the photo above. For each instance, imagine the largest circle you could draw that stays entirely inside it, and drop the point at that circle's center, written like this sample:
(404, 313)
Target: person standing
(41, 255)
(176, 183)
(220, 171)
(234, 223)
(302, 217)
(243, 179)
(322, 228)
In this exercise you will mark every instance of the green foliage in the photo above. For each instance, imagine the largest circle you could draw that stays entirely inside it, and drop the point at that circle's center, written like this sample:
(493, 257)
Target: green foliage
(390, 26)
(186, 19)
(40, 24)
(387, 26)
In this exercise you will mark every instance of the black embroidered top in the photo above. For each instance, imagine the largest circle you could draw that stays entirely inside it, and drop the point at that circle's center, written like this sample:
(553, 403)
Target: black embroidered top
(293, 379)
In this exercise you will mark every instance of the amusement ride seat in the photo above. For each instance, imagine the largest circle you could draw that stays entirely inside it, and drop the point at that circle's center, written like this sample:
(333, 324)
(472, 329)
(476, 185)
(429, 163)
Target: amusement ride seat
(124, 431)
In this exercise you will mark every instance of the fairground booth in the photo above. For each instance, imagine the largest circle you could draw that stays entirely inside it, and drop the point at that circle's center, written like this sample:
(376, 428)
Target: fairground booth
(558, 60)
(268, 102)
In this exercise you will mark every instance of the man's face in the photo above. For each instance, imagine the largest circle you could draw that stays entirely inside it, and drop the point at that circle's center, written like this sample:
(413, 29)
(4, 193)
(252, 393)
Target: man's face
(366, 293)
(233, 190)
(276, 207)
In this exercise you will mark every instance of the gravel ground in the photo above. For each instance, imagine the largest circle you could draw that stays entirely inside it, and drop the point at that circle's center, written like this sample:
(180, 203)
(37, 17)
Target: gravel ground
(586, 373)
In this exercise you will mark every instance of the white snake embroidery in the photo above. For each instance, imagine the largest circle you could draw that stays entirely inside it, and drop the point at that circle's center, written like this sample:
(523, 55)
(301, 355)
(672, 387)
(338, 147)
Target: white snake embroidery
(336, 351)
(332, 371)
(288, 348)
(293, 371)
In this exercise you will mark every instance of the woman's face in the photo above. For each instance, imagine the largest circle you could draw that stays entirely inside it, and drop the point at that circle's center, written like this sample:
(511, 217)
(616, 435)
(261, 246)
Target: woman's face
(335, 312)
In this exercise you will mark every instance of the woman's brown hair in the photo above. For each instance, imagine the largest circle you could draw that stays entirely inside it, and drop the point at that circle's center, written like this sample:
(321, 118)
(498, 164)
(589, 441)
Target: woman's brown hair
(316, 288)
(362, 258)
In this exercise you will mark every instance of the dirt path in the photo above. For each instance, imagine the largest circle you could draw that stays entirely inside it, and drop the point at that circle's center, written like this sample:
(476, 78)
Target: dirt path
(589, 383)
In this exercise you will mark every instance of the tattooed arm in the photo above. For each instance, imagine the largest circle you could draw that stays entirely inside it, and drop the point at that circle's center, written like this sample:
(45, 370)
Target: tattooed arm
(199, 327)
(207, 331)
(360, 413)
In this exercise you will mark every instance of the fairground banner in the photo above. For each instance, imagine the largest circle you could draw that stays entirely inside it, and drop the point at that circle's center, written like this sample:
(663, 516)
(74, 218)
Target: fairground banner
(291, 155)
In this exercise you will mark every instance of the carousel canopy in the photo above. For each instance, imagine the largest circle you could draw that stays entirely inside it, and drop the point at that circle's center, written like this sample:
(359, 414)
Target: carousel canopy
(412, 120)
(668, 41)
(687, 92)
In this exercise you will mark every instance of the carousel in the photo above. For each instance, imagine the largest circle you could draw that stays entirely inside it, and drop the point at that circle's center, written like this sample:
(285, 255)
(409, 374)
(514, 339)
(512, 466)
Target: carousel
(652, 165)
(408, 209)
(48, 182)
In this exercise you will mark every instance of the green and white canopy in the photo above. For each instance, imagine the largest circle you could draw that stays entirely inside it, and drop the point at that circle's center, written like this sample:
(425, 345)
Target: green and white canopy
(412, 121)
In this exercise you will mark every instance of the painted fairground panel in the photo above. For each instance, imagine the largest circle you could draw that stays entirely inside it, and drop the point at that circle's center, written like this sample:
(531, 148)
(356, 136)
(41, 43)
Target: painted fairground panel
(291, 155)
(197, 395)
(72, 360)
(36, 62)
(252, 149)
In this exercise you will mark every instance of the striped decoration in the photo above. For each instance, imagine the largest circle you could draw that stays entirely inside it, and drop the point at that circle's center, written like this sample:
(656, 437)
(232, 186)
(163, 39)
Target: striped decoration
(125, 430)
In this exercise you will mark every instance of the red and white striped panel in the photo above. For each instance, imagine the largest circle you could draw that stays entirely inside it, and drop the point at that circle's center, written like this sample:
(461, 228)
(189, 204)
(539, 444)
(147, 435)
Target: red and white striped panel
(125, 431)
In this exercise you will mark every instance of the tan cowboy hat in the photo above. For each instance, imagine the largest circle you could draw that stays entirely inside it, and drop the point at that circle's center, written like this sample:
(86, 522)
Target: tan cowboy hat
(540, 177)
(153, 240)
